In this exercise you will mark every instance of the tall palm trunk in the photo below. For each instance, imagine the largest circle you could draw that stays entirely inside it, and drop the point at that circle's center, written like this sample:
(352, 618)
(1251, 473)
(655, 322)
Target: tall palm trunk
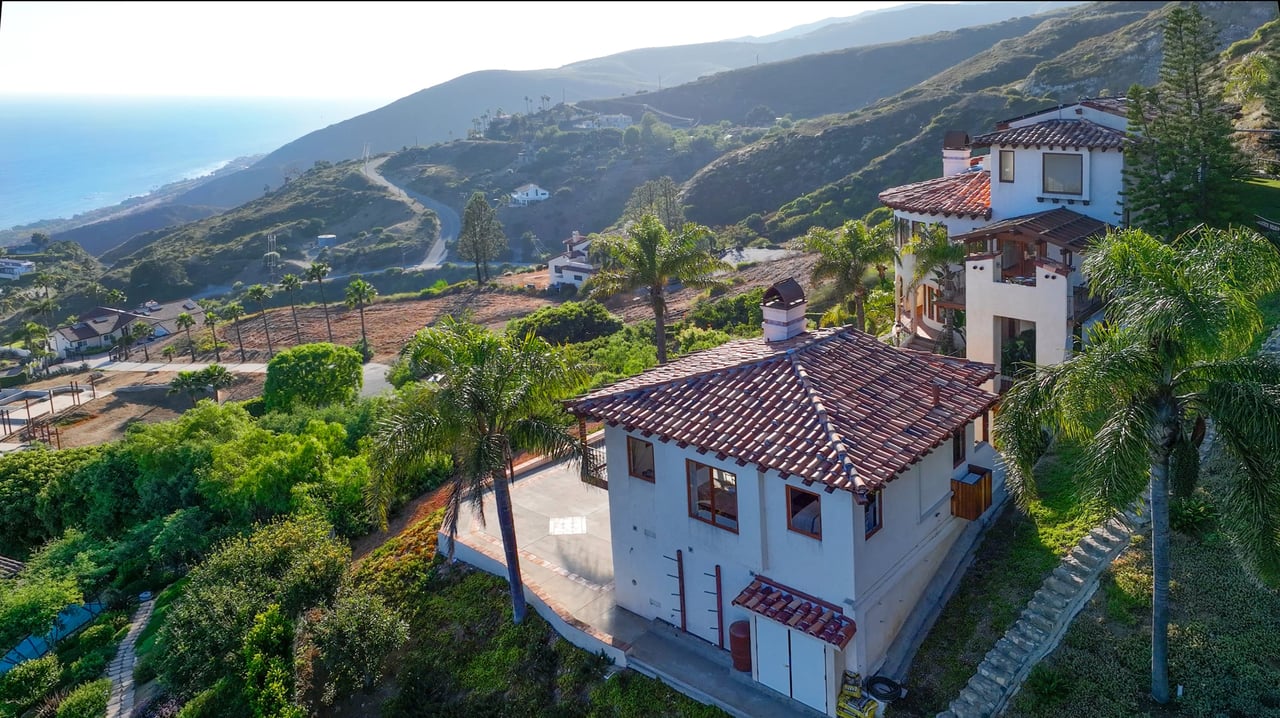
(1161, 571)
(266, 329)
(507, 527)
(192, 342)
(659, 322)
(325, 305)
(240, 341)
(363, 337)
(297, 328)
(859, 308)
(217, 351)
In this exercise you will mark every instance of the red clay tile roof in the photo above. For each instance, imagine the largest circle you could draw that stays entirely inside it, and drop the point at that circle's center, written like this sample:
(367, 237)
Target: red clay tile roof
(967, 194)
(779, 603)
(1060, 227)
(1076, 134)
(9, 567)
(834, 406)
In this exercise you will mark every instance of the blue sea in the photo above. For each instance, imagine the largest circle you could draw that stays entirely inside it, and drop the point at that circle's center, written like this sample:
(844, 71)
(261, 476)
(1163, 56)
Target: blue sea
(63, 156)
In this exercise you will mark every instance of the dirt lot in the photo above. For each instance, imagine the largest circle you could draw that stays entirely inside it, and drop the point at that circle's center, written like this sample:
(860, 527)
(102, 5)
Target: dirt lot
(105, 419)
(634, 308)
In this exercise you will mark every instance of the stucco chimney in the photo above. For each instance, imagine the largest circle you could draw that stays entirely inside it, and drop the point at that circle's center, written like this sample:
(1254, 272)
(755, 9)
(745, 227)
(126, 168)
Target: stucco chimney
(955, 153)
(783, 307)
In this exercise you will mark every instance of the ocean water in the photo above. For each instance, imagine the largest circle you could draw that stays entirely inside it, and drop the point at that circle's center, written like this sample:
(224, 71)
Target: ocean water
(63, 156)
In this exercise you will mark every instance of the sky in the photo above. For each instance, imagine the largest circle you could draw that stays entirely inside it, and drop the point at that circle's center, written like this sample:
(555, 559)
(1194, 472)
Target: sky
(379, 51)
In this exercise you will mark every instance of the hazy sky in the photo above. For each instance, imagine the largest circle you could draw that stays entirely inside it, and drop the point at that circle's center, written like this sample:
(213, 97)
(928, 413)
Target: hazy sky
(376, 50)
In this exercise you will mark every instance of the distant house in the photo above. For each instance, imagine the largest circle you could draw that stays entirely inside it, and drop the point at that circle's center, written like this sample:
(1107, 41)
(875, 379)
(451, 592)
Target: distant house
(600, 122)
(527, 194)
(326, 240)
(1025, 214)
(15, 268)
(571, 266)
(102, 327)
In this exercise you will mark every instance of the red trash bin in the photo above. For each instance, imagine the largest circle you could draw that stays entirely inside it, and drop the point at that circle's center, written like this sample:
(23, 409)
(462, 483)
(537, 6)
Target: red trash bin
(740, 645)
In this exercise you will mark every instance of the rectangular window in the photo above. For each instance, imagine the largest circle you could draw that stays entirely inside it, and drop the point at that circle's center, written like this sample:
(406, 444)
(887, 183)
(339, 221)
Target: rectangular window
(1006, 165)
(804, 514)
(957, 448)
(1063, 174)
(871, 513)
(640, 458)
(713, 495)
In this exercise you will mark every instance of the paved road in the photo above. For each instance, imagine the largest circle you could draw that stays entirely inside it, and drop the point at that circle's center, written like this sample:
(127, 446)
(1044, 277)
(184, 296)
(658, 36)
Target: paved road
(450, 223)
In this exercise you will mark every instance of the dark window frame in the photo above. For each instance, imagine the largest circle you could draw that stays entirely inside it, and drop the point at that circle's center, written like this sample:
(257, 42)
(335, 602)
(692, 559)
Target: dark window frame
(1009, 154)
(817, 499)
(1044, 175)
(691, 491)
(873, 507)
(959, 452)
(631, 461)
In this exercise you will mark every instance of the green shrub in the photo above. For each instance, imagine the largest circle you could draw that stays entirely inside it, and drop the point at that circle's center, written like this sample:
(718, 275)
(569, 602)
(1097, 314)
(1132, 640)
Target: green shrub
(86, 701)
(89, 666)
(26, 683)
(569, 323)
(1191, 515)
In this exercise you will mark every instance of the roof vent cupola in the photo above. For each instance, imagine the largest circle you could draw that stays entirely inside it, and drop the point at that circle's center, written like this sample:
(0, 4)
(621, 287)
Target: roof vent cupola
(783, 306)
(955, 152)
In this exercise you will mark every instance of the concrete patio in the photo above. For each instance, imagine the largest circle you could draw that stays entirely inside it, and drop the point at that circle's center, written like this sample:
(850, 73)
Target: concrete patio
(567, 564)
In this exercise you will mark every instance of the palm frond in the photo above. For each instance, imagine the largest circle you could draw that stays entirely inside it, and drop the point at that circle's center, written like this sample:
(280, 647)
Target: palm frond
(1116, 463)
(1251, 509)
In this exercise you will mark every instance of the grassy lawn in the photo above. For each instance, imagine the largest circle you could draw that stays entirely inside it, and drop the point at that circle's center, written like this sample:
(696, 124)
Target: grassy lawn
(1222, 638)
(1262, 196)
(466, 658)
(1020, 549)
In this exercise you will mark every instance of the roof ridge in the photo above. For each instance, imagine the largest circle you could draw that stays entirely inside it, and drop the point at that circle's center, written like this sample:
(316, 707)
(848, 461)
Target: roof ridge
(820, 409)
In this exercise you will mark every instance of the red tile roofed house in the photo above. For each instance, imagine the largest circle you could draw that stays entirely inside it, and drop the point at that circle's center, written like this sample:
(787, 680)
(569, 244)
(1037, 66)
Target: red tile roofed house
(1051, 183)
(809, 483)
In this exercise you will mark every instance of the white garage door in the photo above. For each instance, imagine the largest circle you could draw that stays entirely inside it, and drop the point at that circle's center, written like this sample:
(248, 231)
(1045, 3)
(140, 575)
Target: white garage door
(791, 663)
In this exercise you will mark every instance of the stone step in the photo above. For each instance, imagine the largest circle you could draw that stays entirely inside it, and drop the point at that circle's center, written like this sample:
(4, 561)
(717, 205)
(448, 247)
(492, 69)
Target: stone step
(969, 705)
(986, 688)
(946, 714)
(999, 661)
(1085, 558)
(1068, 575)
(1024, 637)
(1066, 589)
(1011, 650)
(1094, 547)
(1111, 535)
(995, 674)
(1078, 567)
(1052, 599)
(1043, 623)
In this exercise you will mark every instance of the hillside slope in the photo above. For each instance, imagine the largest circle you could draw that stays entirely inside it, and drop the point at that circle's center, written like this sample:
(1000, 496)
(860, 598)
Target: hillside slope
(443, 111)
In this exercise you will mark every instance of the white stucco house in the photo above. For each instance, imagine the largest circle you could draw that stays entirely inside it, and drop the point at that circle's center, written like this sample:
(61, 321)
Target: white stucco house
(15, 268)
(99, 328)
(572, 265)
(1025, 214)
(527, 194)
(807, 483)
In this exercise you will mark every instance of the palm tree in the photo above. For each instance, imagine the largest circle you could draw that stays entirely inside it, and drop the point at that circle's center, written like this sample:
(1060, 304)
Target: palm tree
(649, 257)
(137, 332)
(1174, 353)
(934, 254)
(360, 293)
(211, 321)
(35, 337)
(494, 395)
(217, 377)
(190, 383)
(291, 284)
(846, 255)
(260, 294)
(186, 321)
(316, 273)
(232, 312)
(45, 308)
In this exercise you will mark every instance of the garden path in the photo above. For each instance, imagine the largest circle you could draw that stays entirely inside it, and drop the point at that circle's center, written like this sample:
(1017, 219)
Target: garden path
(120, 670)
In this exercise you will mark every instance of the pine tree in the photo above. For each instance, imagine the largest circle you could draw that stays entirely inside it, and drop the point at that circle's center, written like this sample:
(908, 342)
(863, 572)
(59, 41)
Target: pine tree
(1181, 168)
(481, 239)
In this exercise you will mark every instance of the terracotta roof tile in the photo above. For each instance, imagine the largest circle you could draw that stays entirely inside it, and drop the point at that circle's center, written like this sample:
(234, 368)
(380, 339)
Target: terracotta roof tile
(834, 406)
(1060, 227)
(1076, 134)
(802, 613)
(9, 567)
(967, 194)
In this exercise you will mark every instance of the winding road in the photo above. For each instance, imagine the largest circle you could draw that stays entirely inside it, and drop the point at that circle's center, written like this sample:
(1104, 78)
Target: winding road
(450, 223)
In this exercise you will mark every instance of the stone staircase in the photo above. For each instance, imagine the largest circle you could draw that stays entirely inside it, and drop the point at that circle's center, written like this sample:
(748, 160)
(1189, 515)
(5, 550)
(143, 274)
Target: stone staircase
(1044, 621)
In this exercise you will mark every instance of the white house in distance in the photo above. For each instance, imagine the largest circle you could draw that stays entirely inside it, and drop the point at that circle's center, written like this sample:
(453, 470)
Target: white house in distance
(15, 268)
(806, 483)
(528, 194)
(101, 327)
(571, 265)
(1025, 213)
(600, 122)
